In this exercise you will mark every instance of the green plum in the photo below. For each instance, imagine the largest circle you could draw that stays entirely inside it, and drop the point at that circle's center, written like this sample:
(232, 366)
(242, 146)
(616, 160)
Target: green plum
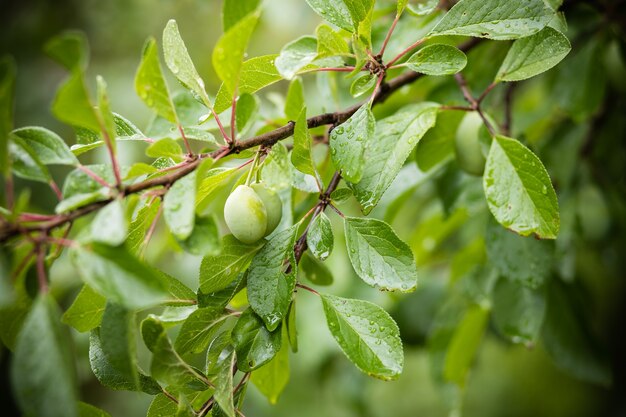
(469, 154)
(245, 214)
(273, 206)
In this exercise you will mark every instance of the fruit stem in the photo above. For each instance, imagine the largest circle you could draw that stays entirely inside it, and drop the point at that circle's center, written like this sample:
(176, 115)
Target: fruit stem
(253, 167)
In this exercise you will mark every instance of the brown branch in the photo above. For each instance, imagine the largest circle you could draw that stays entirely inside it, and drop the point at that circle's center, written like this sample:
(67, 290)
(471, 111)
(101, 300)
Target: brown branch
(267, 139)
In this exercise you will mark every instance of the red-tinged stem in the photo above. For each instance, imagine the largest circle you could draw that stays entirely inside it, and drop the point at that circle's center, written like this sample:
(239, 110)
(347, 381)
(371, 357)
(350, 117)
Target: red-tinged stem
(182, 134)
(332, 206)
(486, 92)
(62, 241)
(459, 108)
(150, 233)
(404, 52)
(378, 83)
(467, 94)
(94, 176)
(114, 163)
(309, 289)
(391, 29)
(41, 269)
(56, 190)
(227, 139)
(35, 217)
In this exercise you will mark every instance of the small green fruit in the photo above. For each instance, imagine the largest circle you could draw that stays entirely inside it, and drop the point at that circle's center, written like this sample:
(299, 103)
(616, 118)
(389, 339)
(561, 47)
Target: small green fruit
(469, 154)
(245, 214)
(273, 206)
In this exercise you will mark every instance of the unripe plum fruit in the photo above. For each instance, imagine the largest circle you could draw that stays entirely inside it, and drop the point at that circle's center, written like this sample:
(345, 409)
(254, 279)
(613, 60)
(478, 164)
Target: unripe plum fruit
(273, 206)
(245, 214)
(469, 154)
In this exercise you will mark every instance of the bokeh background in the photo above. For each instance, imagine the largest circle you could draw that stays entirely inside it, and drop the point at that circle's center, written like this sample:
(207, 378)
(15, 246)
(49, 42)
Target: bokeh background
(507, 380)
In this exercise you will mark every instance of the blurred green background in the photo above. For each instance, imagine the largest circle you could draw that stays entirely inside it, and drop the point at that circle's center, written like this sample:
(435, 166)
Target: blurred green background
(507, 380)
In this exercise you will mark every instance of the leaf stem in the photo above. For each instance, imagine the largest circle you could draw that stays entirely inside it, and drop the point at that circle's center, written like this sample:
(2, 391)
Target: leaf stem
(405, 51)
(182, 135)
(41, 269)
(391, 29)
(309, 289)
(94, 176)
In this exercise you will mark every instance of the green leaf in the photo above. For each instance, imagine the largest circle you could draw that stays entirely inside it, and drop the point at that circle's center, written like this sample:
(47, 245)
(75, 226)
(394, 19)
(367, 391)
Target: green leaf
(111, 377)
(568, 338)
(110, 225)
(88, 410)
(296, 55)
(224, 381)
(362, 85)
(437, 59)
(70, 49)
(367, 335)
(333, 11)
(235, 10)
(533, 55)
(47, 145)
(167, 148)
(315, 271)
(150, 84)
(518, 190)
(348, 142)
(230, 49)
(464, 344)
(106, 115)
(276, 172)
(301, 155)
(247, 108)
(167, 365)
(25, 163)
(72, 105)
(270, 288)
(271, 378)
(401, 6)
(199, 329)
(437, 145)
(42, 369)
(319, 238)
(120, 277)
(378, 255)
(179, 206)
(294, 103)
(494, 19)
(7, 90)
(204, 239)
(179, 62)
(162, 406)
(254, 344)
(139, 226)
(86, 311)
(388, 149)
(118, 340)
(221, 298)
(526, 260)
(213, 180)
(330, 43)
(518, 311)
(217, 272)
(291, 327)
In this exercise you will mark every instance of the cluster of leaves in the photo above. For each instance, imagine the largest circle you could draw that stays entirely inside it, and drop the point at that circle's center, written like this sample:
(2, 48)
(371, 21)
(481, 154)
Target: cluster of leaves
(240, 323)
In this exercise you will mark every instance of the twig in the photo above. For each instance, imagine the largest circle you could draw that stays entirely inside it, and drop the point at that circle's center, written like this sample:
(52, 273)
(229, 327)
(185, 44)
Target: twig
(309, 289)
(41, 269)
(391, 29)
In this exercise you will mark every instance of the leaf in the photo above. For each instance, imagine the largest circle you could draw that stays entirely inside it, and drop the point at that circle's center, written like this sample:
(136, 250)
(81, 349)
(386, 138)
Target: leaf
(464, 344)
(388, 149)
(7, 92)
(110, 226)
(518, 190)
(213, 180)
(362, 85)
(518, 311)
(437, 59)
(367, 335)
(271, 378)
(112, 378)
(525, 260)
(179, 206)
(315, 271)
(301, 155)
(277, 171)
(291, 327)
(70, 49)
(120, 277)
(568, 338)
(150, 84)
(199, 329)
(165, 147)
(86, 311)
(494, 19)
(25, 163)
(139, 226)
(247, 108)
(330, 43)
(378, 255)
(533, 55)
(437, 145)
(47, 145)
(88, 410)
(235, 10)
(270, 287)
(117, 340)
(42, 369)
(224, 381)
(359, 10)
(204, 239)
(72, 105)
(333, 11)
(319, 238)
(221, 298)
(217, 272)
(423, 7)
(179, 62)
(230, 49)
(167, 365)
(348, 142)
(296, 55)
(106, 115)
(162, 406)
(294, 103)
(254, 344)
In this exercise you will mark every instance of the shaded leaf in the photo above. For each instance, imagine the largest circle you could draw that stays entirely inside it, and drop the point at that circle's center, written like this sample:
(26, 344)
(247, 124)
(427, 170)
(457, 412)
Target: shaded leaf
(217, 272)
(254, 344)
(86, 311)
(348, 142)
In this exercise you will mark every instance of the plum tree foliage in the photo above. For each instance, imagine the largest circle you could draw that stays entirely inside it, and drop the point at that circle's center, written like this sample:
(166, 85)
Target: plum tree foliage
(382, 100)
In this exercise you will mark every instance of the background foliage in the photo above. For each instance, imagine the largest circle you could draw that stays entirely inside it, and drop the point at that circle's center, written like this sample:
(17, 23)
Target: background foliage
(476, 280)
